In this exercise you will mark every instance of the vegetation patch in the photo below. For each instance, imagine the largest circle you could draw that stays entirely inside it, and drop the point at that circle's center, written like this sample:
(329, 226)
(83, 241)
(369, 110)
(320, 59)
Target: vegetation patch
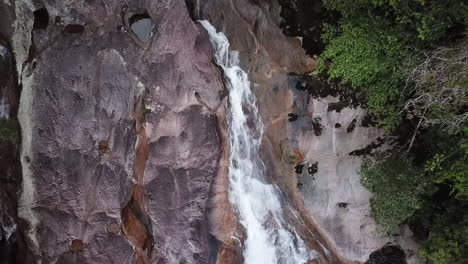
(8, 130)
(409, 59)
(396, 186)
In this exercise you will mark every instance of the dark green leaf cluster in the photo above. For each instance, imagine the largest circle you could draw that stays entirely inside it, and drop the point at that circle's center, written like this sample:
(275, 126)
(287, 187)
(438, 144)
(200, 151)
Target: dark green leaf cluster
(8, 130)
(447, 223)
(397, 186)
(373, 46)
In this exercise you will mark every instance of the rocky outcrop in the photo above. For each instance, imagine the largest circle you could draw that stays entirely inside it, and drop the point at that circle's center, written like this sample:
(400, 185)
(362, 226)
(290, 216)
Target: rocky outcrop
(117, 153)
(329, 181)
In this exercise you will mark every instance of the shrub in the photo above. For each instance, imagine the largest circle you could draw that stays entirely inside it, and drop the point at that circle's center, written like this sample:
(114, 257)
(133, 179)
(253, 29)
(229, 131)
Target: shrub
(396, 186)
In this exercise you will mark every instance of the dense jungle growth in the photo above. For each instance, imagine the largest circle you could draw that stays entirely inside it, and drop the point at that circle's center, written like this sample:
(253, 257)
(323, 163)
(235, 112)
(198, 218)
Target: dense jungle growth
(410, 58)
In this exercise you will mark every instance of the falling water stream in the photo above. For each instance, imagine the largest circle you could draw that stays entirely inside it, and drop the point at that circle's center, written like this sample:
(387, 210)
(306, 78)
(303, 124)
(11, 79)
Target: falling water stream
(258, 204)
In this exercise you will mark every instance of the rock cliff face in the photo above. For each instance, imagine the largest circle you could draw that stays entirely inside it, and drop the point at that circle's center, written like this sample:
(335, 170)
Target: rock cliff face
(117, 153)
(123, 134)
(334, 134)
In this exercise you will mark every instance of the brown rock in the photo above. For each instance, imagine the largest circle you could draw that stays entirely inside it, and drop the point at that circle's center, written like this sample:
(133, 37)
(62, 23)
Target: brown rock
(76, 245)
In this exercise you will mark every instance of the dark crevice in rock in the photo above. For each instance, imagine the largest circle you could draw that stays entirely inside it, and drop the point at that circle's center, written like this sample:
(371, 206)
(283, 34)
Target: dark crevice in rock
(387, 255)
(136, 221)
(368, 121)
(337, 106)
(304, 18)
(351, 126)
(337, 125)
(195, 9)
(342, 205)
(191, 9)
(137, 226)
(104, 148)
(368, 149)
(317, 126)
(319, 87)
(41, 19)
(214, 246)
(31, 53)
(12, 244)
(299, 168)
(74, 28)
(292, 117)
(312, 168)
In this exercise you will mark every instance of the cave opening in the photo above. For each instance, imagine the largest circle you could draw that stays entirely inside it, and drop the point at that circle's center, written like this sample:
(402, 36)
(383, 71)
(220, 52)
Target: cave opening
(390, 254)
(142, 26)
(292, 117)
(41, 18)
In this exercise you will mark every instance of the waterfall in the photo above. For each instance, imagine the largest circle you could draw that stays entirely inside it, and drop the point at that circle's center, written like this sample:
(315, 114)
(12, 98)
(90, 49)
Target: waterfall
(258, 204)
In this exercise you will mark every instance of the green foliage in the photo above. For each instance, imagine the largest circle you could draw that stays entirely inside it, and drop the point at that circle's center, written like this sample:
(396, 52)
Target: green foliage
(370, 58)
(401, 54)
(452, 168)
(447, 241)
(396, 187)
(8, 130)
(426, 20)
(373, 46)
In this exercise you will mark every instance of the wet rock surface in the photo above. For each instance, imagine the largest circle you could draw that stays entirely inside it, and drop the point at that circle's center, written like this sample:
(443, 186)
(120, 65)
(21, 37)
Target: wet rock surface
(250, 28)
(325, 126)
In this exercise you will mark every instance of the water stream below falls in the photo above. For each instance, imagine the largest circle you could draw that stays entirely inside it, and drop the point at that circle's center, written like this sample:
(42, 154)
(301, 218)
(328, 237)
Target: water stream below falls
(258, 204)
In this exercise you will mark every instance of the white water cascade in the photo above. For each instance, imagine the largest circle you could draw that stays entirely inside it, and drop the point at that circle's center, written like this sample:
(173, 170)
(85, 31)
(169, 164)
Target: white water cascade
(270, 239)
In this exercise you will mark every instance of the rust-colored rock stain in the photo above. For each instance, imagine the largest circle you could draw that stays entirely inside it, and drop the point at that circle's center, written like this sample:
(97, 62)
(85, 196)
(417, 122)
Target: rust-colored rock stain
(136, 224)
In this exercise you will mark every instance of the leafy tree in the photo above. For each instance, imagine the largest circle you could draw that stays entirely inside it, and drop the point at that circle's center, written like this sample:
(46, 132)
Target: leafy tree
(365, 54)
(452, 168)
(373, 46)
(396, 186)
(447, 241)
(410, 58)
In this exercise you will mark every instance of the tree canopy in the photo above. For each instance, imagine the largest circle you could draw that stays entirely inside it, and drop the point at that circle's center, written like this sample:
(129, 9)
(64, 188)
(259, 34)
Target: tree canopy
(410, 58)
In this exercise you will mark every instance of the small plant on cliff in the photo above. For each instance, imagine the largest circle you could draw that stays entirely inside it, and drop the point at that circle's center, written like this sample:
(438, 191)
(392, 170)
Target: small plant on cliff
(7, 130)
